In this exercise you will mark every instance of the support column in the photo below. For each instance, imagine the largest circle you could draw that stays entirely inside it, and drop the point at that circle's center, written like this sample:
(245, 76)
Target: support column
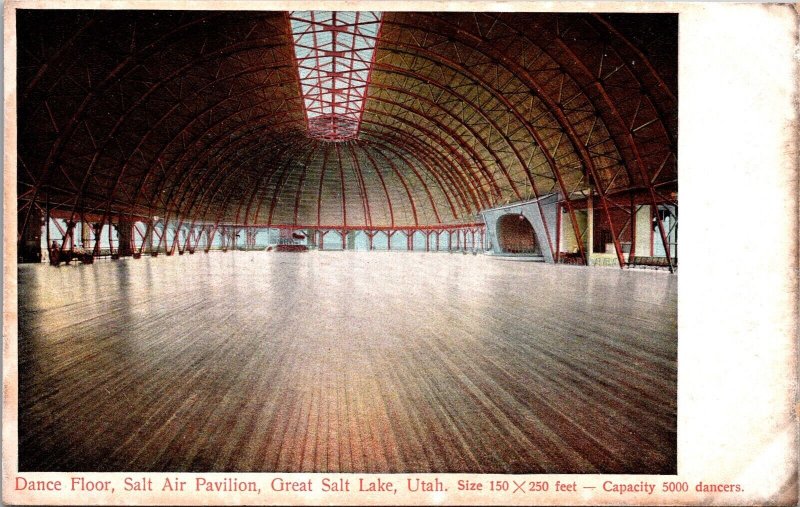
(97, 231)
(29, 246)
(632, 249)
(147, 242)
(191, 236)
(124, 237)
(69, 238)
(183, 242)
(223, 238)
(251, 238)
(85, 229)
(209, 237)
(589, 227)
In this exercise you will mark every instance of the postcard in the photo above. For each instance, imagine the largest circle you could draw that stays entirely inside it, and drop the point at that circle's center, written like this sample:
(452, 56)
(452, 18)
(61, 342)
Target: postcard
(417, 253)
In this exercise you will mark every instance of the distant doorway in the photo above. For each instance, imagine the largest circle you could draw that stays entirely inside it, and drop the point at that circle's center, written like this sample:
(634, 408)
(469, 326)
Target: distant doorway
(515, 235)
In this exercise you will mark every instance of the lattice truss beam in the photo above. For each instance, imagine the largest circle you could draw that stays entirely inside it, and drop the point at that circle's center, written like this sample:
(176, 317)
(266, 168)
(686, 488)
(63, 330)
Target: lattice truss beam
(334, 52)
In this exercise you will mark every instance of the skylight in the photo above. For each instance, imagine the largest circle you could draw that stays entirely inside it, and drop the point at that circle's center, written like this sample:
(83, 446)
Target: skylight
(334, 52)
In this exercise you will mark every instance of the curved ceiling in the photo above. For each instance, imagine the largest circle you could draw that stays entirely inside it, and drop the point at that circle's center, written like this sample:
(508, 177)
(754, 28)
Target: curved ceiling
(199, 116)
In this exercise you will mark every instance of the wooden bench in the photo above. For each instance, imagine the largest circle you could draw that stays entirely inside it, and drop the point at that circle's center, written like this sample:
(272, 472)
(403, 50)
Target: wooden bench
(651, 262)
(570, 258)
(291, 248)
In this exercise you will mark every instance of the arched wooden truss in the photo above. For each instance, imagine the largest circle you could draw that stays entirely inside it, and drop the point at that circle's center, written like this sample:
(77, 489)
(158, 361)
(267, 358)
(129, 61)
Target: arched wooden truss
(198, 118)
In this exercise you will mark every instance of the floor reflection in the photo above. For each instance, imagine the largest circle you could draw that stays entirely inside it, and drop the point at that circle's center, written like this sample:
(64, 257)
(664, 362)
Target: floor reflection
(331, 361)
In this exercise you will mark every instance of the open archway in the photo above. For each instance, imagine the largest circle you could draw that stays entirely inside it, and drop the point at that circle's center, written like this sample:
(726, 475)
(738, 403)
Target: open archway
(515, 235)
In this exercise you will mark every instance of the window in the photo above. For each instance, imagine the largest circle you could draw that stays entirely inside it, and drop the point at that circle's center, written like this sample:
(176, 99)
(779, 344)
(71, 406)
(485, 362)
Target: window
(334, 53)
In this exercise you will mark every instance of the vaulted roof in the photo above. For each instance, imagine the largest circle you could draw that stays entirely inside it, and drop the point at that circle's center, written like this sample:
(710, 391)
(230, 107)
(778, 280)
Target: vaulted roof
(202, 116)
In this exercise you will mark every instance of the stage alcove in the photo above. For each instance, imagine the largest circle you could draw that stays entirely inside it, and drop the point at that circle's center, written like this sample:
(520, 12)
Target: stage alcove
(516, 236)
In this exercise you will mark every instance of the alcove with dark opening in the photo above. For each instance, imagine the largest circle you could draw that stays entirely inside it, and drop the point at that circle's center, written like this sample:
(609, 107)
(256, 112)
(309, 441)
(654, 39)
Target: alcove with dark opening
(515, 235)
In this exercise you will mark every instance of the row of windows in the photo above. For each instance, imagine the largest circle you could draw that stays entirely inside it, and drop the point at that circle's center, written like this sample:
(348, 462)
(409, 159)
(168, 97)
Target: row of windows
(264, 238)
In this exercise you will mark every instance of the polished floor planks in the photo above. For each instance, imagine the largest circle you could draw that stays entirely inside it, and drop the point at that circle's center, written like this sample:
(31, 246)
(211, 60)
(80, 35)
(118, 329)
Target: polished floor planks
(345, 361)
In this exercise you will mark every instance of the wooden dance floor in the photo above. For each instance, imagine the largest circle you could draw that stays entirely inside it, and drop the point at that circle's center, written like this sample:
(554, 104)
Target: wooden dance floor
(346, 361)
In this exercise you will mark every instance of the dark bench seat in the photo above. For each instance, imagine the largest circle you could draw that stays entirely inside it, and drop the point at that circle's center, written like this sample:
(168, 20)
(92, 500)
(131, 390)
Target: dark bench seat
(651, 262)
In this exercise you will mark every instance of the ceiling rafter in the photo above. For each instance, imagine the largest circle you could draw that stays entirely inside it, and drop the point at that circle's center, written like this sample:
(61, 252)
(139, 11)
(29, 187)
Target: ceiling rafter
(200, 119)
